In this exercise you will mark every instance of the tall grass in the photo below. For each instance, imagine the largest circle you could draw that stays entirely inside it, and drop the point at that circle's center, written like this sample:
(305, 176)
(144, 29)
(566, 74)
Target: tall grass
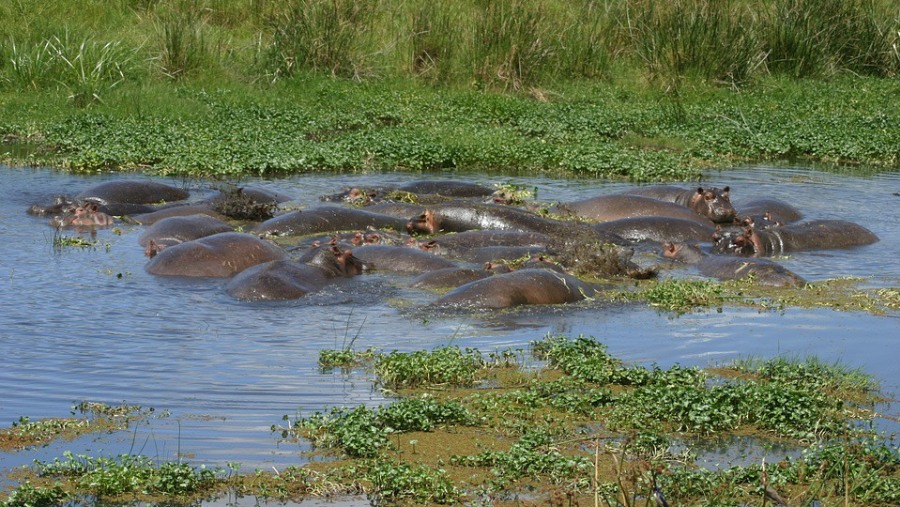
(500, 44)
(321, 35)
(86, 68)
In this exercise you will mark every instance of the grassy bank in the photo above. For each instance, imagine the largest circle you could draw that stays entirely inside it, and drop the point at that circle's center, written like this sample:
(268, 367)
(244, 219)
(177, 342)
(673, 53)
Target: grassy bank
(639, 89)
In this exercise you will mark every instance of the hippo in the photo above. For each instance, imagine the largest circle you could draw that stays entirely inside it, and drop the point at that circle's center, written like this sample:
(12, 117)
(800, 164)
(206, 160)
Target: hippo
(61, 205)
(814, 235)
(448, 277)
(456, 245)
(462, 217)
(285, 279)
(485, 254)
(446, 188)
(132, 192)
(521, 287)
(218, 256)
(605, 208)
(178, 211)
(397, 209)
(400, 259)
(766, 213)
(326, 219)
(85, 215)
(174, 230)
(658, 229)
(712, 203)
(724, 267)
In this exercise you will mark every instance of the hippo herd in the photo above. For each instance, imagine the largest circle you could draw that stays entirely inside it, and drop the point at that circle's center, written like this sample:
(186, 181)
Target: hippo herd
(489, 251)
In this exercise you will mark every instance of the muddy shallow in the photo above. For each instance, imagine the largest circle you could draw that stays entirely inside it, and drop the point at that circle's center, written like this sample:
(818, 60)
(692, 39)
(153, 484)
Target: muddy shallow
(89, 324)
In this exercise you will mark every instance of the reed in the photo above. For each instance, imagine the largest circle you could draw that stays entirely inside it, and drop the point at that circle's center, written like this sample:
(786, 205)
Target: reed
(321, 35)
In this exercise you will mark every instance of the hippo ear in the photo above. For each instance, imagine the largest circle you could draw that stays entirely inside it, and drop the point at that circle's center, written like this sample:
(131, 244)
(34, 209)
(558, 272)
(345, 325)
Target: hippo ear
(726, 190)
(700, 190)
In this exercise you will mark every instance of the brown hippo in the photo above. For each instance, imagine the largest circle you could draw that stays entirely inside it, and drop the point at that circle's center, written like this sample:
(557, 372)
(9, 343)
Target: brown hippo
(174, 230)
(657, 229)
(605, 208)
(712, 203)
(726, 267)
(814, 235)
(326, 219)
(218, 256)
(400, 259)
(485, 254)
(522, 287)
(84, 215)
(285, 279)
(61, 205)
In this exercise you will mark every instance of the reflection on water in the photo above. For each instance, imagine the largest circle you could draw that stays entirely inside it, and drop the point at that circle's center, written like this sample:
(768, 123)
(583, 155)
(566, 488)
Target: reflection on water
(90, 324)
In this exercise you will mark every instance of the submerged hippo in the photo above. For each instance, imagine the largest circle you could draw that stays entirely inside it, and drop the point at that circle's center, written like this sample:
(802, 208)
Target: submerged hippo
(132, 192)
(712, 203)
(766, 213)
(814, 235)
(522, 287)
(726, 267)
(84, 215)
(448, 277)
(218, 256)
(285, 279)
(400, 259)
(461, 217)
(175, 230)
(657, 229)
(459, 244)
(178, 211)
(605, 208)
(326, 219)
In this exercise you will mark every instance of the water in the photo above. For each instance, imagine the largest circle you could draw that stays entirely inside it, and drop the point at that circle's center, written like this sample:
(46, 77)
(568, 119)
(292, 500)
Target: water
(90, 324)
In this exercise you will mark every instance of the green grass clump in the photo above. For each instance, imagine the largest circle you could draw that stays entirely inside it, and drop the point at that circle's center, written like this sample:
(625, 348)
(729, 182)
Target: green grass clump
(128, 474)
(684, 295)
(443, 366)
(363, 432)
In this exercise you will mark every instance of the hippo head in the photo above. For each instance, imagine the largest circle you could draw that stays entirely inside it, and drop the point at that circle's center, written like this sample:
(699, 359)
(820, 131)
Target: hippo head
(348, 265)
(682, 252)
(423, 224)
(713, 203)
(739, 241)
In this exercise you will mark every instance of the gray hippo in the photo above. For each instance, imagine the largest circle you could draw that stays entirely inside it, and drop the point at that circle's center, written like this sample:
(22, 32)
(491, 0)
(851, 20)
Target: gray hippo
(814, 235)
(326, 219)
(448, 277)
(178, 211)
(766, 213)
(400, 259)
(726, 267)
(458, 244)
(285, 279)
(658, 229)
(218, 256)
(461, 217)
(128, 197)
(175, 230)
(521, 287)
(605, 208)
(712, 203)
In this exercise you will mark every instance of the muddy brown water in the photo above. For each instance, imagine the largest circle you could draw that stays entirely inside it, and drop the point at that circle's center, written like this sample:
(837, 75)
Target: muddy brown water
(89, 324)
